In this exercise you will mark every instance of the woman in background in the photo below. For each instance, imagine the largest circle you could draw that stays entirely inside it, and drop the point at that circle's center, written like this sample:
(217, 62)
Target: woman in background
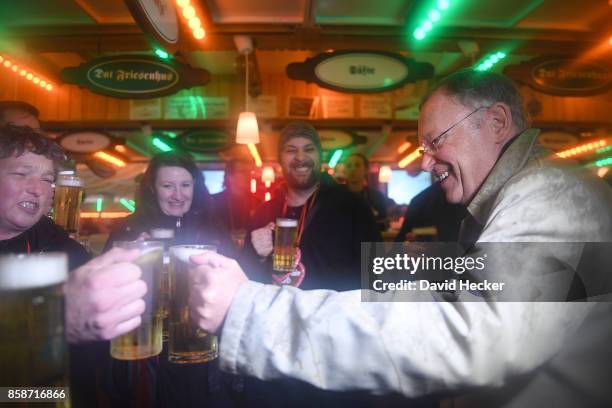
(172, 195)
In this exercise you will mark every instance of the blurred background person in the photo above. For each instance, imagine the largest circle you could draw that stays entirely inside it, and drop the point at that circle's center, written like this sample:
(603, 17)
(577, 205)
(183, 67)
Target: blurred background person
(234, 206)
(19, 113)
(430, 208)
(356, 168)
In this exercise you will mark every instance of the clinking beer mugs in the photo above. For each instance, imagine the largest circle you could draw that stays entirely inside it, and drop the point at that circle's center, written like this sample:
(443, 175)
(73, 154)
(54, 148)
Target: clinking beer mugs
(32, 340)
(67, 201)
(145, 340)
(188, 343)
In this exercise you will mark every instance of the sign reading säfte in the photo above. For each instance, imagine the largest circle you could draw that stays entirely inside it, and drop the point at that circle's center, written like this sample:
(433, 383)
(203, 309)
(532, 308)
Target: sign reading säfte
(134, 76)
(360, 71)
(563, 76)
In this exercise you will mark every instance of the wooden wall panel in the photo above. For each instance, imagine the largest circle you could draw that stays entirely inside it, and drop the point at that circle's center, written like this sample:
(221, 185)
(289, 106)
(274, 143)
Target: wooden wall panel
(71, 103)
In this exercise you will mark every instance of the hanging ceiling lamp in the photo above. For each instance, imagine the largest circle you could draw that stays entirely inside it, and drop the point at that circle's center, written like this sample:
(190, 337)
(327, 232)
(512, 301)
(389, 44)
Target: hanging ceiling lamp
(247, 131)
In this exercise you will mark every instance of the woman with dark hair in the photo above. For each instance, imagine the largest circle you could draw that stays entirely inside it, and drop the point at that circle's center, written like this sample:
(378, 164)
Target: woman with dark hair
(171, 195)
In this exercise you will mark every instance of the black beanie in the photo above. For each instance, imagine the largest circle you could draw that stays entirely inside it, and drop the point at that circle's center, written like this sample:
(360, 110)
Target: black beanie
(299, 129)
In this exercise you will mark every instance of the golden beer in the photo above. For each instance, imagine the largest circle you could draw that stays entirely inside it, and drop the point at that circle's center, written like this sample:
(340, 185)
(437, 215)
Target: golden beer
(166, 236)
(67, 201)
(33, 348)
(145, 340)
(188, 343)
(285, 245)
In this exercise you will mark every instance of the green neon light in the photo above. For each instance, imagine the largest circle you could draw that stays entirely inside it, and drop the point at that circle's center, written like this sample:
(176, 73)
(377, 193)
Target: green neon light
(171, 135)
(132, 202)
(490, 61)
(433, 16)
(99, 202)
(127, 204)
(603, 149)
(161, 145)
(604, 162)
(161, 53)
(335, 158)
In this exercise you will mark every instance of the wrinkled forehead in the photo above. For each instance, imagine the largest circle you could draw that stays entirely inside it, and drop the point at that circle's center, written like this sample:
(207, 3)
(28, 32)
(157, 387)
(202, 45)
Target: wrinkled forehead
(438, 111)
(29, 160)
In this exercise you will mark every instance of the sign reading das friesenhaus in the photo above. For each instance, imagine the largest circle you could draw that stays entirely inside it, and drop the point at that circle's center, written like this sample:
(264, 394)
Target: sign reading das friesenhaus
(360, 71)
(134, 76)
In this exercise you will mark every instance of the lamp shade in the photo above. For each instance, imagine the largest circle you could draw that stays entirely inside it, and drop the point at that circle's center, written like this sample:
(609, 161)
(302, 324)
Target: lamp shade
(247, 130)
(384, 174)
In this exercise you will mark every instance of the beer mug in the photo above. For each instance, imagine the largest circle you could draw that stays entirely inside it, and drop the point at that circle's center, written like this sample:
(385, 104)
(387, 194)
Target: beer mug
(166, 236)
(145, 340)
(67, 201)
(32, 339)
(188, 343)
(285, 245)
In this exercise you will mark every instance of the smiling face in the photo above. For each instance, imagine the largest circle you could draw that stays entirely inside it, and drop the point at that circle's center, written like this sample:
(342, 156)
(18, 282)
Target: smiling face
(301, 163)
(468, 152)
(174, 190)
(26, 188)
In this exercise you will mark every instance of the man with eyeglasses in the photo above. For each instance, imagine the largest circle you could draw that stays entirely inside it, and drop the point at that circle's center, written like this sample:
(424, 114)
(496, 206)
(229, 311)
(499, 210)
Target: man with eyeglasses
(514, 354)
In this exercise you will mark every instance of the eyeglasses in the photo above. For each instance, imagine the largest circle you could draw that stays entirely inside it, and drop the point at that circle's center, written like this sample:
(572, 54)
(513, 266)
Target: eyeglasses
(437, 141)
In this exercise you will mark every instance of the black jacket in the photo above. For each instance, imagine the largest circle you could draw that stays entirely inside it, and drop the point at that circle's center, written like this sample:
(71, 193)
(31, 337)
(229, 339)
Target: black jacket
(335, 227)
(85, 359)
(46, 236)
(430, 208)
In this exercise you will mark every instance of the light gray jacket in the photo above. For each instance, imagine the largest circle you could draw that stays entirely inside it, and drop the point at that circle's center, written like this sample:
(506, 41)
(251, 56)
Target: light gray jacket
(511, 354)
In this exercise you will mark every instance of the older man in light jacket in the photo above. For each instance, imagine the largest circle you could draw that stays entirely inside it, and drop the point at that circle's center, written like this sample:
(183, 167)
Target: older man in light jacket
(513, 354)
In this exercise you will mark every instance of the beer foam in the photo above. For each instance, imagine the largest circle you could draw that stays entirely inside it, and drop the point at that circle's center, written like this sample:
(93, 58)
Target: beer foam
(162, 233)
(32, 271)
(69, 182)
(286, 222)
(182, 253)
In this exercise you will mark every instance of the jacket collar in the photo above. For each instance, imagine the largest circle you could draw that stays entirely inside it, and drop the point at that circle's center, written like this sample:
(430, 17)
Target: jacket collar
(513, 158)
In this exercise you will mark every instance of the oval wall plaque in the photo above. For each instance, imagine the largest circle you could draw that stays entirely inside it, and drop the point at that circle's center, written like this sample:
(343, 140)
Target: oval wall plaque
(563, 76)
(205, 140)
(360, 71)
(84, 142)
(133, 76)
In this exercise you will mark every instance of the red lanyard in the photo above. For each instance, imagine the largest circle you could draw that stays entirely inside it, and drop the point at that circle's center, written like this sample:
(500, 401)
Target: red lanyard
(303, 214)
(27, 247)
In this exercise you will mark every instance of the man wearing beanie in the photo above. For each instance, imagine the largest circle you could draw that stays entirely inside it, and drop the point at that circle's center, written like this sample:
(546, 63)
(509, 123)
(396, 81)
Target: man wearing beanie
(332, 223)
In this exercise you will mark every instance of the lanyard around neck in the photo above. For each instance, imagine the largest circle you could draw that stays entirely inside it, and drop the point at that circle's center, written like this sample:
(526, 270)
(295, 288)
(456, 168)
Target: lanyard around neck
(303, 213)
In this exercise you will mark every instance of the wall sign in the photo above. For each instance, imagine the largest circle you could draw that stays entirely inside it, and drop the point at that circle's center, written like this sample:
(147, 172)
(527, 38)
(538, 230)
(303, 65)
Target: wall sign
(158, 19)
(134, 76)
(332, 139)
(300, 107)
(85, 142)
(563, 76)
(360, 71)
(205, 140)
(556, 140)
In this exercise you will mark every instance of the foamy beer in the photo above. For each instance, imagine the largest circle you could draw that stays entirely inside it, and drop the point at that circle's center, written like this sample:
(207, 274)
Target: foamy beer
(188, 343)
(166, 236)
(34, 352)
(285, 245)
(67, 201)
(145, 340)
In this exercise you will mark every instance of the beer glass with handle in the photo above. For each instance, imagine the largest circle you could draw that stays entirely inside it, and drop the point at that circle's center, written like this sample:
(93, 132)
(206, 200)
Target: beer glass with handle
(285, 245)
(32, 339)
(67, 201)
(145, 340)
(188, 343)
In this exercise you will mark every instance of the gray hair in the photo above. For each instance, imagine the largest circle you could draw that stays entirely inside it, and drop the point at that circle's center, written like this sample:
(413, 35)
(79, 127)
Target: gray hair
(482, 88)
